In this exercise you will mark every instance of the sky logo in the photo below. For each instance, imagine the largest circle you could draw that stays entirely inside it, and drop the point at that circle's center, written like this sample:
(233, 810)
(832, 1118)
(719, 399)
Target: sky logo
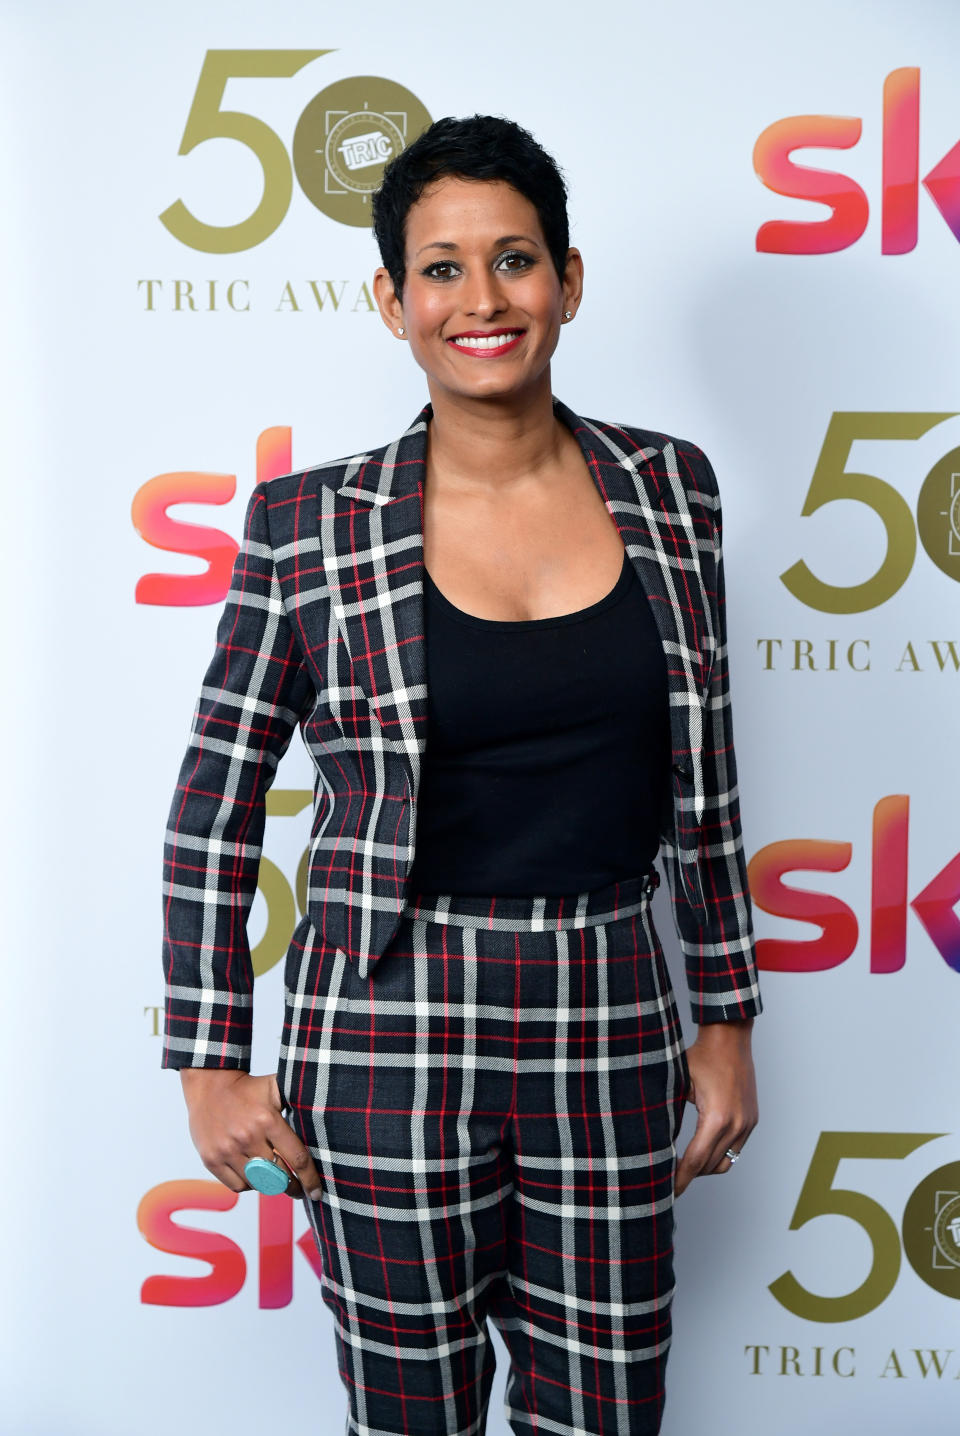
(850, 208)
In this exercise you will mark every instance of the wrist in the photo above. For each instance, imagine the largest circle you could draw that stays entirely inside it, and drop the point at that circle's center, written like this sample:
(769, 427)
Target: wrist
(210, 1076)
(735, 1033)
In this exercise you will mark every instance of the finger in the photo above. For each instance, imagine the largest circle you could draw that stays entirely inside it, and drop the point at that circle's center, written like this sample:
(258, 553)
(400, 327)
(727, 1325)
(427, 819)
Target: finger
(700, 1149)
(690, 1164)
(685, 1173)
(228, 1164)
(298, 1159)
(284, 1149)
(719, 1162)
(279, 1137)
(706, 1153)
(295, 1188)
(231, 1167)
(228, 1176)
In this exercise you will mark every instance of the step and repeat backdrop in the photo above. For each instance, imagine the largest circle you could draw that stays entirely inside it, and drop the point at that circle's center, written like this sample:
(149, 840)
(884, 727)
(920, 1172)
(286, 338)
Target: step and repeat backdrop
(768, 204)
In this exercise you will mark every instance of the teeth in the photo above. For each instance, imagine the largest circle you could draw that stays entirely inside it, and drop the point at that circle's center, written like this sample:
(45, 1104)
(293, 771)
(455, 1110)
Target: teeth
(489, 341)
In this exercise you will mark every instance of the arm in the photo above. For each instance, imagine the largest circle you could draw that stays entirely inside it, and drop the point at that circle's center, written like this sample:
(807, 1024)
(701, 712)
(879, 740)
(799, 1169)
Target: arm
(254, 692)
(718, 945)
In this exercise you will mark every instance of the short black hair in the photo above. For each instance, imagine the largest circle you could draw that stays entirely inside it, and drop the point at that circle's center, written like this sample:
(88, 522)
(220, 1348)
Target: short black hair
(482, 147)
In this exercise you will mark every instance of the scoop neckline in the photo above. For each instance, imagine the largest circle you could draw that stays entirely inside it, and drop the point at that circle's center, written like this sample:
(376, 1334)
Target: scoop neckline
(473, 620)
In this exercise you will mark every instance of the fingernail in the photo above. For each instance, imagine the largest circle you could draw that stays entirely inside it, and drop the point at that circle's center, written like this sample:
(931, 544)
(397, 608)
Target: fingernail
(316, 1194)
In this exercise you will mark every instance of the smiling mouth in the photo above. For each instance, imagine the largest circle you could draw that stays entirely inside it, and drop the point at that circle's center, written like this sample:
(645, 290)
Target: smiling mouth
(484, 345)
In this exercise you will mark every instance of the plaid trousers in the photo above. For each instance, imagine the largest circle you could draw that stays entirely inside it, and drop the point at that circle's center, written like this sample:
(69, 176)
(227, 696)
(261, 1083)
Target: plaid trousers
(494, 1112)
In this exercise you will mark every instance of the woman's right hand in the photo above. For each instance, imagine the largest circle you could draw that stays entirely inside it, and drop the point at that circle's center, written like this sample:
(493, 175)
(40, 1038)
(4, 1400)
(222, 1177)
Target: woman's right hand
(235, 1116)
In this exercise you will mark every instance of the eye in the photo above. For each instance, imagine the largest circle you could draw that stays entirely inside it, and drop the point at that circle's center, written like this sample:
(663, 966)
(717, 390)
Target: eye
(433, 271)
(515, 260)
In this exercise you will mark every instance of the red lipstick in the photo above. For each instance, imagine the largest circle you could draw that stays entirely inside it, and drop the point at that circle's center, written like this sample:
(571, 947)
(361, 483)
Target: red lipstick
(511, 338)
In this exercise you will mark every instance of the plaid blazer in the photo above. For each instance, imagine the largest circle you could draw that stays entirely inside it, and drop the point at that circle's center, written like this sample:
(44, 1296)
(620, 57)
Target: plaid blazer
(323, 628)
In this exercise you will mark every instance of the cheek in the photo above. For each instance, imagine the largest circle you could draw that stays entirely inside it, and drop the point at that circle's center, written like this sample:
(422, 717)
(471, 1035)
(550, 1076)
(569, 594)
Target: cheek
(425, 310)
(542, 299)
(551, 299)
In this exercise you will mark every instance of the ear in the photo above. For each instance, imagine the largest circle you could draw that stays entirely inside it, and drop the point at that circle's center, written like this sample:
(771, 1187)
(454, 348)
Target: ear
(391, 310)
(573, 280)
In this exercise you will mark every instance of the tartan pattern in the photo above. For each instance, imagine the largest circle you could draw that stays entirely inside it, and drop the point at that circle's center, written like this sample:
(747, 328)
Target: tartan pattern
(493, 1115)
(323, 627)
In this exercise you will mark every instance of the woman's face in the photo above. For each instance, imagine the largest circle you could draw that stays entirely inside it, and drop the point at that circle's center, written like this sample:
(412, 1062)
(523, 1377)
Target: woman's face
(482, 301)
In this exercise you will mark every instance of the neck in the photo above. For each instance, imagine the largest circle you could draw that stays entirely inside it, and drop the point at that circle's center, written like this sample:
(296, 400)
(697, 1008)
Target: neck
(491, 442)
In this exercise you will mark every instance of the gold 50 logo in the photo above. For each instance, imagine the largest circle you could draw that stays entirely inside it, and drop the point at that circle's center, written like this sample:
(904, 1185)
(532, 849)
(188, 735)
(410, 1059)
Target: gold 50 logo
(930, 1228)
(937, 518)
(341, 143)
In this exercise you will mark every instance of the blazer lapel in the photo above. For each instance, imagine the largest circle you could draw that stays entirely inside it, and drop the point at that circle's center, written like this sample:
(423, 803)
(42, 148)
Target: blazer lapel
(644, 495)
(371, 541)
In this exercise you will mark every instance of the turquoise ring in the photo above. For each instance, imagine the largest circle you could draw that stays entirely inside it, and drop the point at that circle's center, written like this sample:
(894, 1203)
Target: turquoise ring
(269, 1178)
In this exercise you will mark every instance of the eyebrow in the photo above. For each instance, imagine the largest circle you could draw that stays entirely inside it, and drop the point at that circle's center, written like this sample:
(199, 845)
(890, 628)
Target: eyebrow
(447, 244)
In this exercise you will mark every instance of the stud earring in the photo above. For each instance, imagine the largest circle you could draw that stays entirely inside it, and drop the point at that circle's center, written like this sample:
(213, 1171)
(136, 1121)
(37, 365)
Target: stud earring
(401, 330)
(567, 314)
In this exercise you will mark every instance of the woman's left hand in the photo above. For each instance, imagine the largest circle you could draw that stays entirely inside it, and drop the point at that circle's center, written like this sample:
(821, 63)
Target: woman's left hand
(724, 1089)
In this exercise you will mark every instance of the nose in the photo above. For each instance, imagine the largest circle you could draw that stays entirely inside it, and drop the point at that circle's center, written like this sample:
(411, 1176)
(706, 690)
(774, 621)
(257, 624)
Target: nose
(483, 294)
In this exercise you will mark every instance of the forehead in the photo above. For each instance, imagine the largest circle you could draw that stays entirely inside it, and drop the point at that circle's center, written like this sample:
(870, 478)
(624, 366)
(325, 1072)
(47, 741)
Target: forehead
(461, 211)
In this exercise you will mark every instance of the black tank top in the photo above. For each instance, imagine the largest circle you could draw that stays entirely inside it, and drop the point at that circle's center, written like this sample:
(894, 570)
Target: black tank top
(548, 747)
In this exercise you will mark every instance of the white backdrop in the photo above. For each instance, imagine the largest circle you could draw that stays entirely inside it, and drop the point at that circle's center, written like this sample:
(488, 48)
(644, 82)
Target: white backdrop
(654, 113)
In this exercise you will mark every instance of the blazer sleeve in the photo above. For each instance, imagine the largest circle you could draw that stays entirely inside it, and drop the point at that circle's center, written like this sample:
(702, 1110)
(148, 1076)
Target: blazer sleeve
(717, 941)
(254, 692)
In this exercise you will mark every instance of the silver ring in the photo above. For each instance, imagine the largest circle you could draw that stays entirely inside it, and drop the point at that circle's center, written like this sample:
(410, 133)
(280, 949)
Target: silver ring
(734, 1156)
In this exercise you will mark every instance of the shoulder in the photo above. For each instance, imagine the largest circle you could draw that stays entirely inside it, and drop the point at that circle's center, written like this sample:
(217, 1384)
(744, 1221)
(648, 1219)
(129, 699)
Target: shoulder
(291, 499)
(330, 474)
(669, 456)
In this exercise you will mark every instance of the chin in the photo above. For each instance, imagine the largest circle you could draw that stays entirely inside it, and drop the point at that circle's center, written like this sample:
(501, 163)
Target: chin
(494, 386)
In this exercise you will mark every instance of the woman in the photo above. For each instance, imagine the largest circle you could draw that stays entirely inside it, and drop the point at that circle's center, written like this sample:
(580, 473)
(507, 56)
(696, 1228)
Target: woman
(503, 639)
